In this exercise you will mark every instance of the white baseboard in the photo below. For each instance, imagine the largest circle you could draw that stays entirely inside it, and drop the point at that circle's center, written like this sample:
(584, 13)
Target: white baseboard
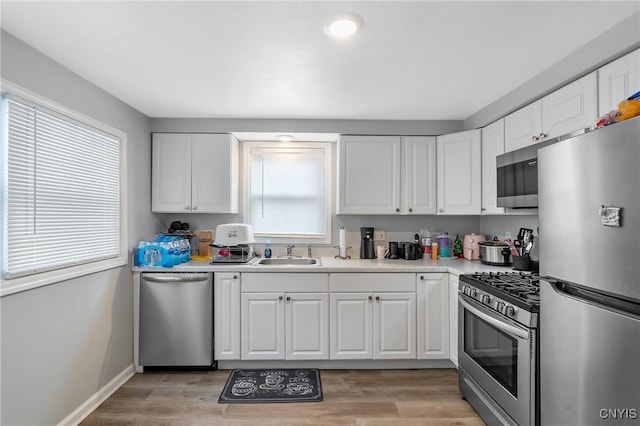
(80, 413)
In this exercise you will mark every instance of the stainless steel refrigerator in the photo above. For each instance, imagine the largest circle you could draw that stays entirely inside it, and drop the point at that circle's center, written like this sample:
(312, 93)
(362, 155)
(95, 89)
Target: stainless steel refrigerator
(589, 213)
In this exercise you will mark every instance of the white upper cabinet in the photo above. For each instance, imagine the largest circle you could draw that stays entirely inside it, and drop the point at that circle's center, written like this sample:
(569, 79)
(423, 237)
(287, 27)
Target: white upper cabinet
(492, 146)
(194, 173)
(569, 108)
(523, 127)
(369, 175)
(617, 81)
(419, 177)
(459, 174)
(387, 175)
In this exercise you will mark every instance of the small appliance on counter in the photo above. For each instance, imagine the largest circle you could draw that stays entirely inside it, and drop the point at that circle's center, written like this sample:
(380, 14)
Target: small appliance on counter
(233, 243)
(367, 250)
(495, 253)
(470, 247)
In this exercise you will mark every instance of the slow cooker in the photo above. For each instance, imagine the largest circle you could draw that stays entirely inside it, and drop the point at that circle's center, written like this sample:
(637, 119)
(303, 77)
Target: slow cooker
(494, 253)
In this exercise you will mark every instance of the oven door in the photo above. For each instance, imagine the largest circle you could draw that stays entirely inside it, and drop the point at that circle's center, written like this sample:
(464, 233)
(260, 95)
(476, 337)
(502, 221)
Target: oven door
(499, 355)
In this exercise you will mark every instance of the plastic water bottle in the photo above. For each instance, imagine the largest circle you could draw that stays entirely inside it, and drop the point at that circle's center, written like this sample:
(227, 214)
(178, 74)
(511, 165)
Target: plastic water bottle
(267, 249)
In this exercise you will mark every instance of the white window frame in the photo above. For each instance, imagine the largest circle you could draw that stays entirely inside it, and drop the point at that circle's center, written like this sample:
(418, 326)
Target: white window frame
(328, 184)
(18, 284)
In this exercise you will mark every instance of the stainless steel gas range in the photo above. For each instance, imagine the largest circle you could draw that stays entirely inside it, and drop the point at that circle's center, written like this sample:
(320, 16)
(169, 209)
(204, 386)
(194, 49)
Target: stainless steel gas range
(498, 346)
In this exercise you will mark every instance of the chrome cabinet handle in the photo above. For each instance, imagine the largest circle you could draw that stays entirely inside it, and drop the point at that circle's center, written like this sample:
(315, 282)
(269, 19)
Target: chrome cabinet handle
(288, 299)
(441, 210)
(535, 138)
(542, 135)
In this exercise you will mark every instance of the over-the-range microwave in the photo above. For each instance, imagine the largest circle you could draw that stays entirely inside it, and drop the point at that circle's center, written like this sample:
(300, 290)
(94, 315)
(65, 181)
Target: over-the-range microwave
(517, 174)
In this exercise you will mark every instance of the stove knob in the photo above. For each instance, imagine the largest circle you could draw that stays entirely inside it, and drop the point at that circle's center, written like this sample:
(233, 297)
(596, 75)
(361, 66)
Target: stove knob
(509, 311)
(473, 292)
(486, 299)
(500, 307)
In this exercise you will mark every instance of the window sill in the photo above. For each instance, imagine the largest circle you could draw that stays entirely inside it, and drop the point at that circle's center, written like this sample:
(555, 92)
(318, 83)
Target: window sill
(17, 285)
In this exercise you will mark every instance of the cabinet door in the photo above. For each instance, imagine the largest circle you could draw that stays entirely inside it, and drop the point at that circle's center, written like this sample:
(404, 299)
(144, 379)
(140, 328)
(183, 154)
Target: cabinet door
(433, 316)
(214, 173)
(394, 335)
(523, 127)
(419, 177)
(492, 146)
(226, 289)
(617, 81)
(171, 173)
(453, 318)
(307, 325)
(459, 175)
(351, 326)
(570, 108)
(262, 326)
(369, 175)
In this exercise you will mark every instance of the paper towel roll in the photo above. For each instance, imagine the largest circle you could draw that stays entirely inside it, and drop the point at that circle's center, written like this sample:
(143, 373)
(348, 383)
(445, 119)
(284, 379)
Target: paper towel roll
(343, 242)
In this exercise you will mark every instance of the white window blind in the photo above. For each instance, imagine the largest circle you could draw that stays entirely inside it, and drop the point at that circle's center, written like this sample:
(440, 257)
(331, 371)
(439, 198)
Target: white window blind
(288, 192)
(62, 191)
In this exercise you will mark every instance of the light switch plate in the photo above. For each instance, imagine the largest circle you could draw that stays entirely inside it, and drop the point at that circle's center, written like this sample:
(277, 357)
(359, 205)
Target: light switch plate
(378, 235)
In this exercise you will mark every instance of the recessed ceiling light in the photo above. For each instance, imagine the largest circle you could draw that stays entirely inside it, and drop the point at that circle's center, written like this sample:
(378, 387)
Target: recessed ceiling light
(343, 25)
(285, 138)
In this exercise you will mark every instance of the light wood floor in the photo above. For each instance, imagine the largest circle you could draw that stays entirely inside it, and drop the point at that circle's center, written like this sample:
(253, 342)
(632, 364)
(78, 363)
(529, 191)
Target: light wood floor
(351, 397)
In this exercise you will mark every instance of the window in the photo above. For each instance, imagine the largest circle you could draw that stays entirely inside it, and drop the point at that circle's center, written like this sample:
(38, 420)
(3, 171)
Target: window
(288, 193)
(62, 194)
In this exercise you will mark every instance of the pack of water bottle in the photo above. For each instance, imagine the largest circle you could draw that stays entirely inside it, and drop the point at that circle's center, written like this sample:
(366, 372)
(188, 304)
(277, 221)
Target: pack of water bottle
(164, 250)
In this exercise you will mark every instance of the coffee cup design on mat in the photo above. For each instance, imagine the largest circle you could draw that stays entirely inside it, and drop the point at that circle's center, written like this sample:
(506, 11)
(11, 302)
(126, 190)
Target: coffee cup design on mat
(298, 388)
(243, 388)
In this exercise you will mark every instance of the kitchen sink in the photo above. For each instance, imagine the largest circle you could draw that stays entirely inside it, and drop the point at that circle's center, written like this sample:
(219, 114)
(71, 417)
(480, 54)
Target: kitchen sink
(293, 261)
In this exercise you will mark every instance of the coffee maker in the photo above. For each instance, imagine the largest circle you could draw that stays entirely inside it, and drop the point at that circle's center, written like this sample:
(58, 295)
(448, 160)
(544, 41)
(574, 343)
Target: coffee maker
(366, 244)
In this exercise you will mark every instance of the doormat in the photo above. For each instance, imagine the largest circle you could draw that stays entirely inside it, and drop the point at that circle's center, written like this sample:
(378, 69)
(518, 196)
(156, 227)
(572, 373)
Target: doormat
(272, 385)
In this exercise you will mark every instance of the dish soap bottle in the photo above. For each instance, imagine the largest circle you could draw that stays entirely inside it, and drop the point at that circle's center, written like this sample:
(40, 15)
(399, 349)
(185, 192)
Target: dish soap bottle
(267, 249)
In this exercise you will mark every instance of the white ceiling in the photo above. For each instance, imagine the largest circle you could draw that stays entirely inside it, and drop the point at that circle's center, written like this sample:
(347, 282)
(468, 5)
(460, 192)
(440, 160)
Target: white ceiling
(413, 60)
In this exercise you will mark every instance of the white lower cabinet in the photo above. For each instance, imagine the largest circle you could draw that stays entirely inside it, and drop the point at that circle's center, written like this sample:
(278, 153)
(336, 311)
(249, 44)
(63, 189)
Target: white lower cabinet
(373, 316)
(453, 317)
(433, 315)
(226, 299)
(289, 321)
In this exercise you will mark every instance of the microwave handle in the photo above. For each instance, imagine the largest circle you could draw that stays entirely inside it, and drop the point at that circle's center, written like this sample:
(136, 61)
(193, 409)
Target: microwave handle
(507, 328)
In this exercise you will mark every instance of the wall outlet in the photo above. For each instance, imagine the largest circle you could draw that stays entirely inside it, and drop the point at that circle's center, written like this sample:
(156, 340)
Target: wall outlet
(378, 235)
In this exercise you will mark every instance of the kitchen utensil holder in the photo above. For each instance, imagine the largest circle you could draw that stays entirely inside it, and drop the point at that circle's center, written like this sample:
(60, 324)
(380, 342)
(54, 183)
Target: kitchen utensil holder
(521, 263)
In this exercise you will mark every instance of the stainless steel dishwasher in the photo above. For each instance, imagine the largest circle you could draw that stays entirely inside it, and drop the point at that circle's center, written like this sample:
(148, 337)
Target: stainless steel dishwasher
(176, 319)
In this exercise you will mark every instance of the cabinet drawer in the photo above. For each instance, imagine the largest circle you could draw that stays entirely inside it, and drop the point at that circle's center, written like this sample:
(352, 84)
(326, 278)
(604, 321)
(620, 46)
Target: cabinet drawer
(285, 282)
(373, 281)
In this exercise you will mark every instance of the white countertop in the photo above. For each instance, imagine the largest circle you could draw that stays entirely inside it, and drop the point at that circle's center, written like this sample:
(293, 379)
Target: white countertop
(330, 264)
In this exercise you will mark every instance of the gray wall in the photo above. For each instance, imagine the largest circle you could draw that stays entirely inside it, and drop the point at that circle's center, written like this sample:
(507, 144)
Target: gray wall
(364, 127)
(616, 42)
(63, 342)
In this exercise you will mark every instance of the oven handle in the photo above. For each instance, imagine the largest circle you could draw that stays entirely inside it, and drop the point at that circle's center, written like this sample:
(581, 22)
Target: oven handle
(507, 328)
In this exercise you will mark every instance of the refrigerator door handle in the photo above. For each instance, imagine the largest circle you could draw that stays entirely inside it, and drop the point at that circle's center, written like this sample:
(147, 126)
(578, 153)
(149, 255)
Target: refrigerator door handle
(507, 328)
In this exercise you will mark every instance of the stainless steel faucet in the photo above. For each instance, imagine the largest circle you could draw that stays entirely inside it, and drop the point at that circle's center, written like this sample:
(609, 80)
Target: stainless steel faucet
(289, 248)
(309, 251)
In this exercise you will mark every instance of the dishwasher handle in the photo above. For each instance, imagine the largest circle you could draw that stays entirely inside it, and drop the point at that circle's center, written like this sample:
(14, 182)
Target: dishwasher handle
(176, 279)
